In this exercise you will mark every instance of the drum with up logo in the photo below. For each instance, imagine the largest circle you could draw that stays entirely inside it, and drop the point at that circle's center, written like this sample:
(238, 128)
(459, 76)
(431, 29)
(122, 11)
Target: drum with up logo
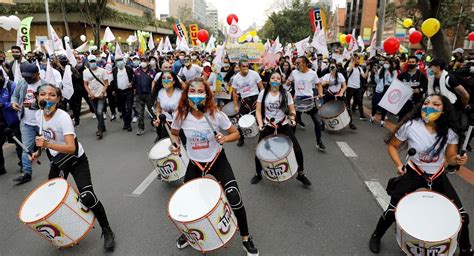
(228, 109)
(277, 156)
(201, 212)
(170, 167)
(335, 115)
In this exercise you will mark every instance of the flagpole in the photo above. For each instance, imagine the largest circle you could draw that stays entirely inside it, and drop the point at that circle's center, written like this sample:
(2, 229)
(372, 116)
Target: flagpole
(380, 23)
(48, 21)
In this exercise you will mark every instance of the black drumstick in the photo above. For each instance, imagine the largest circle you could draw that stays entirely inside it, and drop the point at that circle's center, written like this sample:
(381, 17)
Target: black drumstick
(9, 132)
(162, 118)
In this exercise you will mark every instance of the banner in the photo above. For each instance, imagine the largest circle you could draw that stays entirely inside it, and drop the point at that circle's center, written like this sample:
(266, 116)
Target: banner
(254, 52)
(234, 30)
(193, 32)
(23, 34)
(395, 97)
(317, 18)
(366, 35)
(180, 30)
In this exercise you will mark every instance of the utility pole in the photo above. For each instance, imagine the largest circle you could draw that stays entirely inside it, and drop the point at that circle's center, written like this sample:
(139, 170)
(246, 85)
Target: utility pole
(380, 23)
(48, 21)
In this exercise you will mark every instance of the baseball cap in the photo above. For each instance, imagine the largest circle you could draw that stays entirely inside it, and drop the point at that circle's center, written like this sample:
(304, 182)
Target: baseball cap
(458, 50)
(91, 57)
(28, 69)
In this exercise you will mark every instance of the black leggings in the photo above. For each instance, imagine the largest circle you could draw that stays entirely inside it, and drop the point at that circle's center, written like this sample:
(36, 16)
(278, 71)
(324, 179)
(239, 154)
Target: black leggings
(314, 114)
(82, 176)
(410, 182)
(223, 173)
(286, 130)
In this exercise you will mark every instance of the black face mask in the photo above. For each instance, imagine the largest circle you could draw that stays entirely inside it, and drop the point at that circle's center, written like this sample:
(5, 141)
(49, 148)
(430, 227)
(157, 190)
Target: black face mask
(63, 63)
(30, 80)
(411, 66)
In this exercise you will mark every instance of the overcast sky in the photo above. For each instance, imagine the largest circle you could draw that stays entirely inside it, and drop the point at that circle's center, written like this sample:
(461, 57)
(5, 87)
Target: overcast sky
(248, 11)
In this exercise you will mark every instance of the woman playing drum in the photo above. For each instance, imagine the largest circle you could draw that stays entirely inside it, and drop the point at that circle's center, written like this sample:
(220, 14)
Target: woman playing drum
(274, 104)
(427, 130)
(59, 139)
(205, 149)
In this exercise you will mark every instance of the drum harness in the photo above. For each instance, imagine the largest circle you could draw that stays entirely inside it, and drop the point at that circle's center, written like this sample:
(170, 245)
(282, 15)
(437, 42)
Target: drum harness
(428, 177)
(246, 105)
(208, 165)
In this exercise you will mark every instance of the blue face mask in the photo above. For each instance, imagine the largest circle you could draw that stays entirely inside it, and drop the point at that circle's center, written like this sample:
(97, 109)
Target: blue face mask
(93, 65)
(120, 64)
(429, 114)
(419, 56)
(197, 99)
(430, 72)
(50, 107)
(275, 83)
(167, 83)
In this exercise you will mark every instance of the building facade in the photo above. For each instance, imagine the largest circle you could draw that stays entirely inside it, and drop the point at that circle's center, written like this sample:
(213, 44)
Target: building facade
(212, 19)
(360, 16)
(186, 9)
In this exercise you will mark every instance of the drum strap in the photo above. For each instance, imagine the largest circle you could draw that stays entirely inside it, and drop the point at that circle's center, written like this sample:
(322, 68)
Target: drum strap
(251, 100)
(275, 125)
(208, 165)
(429, 178)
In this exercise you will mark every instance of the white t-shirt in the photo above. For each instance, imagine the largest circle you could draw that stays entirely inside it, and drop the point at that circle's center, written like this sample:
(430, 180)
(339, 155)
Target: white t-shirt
(29, 114)
(56, 74)
(201, 145)
(122, 79)
(56, 128)
(94, 85)
(333, 86)
(193, 72)
(421, 140)
(169, 104)
(353, 81)
(247, 85)
(272, 106)
(304, 82)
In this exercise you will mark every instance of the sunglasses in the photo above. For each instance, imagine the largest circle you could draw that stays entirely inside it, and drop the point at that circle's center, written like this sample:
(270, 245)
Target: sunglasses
(245, 66)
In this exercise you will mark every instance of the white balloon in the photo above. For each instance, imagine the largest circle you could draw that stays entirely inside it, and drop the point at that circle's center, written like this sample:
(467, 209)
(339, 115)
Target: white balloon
(411, 30)
(66, 39)
(94, 47)
(83, 38)
(248, 38)
(256, 39)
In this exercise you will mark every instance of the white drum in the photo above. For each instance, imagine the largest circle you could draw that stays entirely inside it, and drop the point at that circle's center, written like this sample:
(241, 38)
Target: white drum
(304, 104)
(335, 115)
(248, 125)
(171, 167)
(228, 109)
(277, 156)
(428, 223)
(201, 212)
(53, 211)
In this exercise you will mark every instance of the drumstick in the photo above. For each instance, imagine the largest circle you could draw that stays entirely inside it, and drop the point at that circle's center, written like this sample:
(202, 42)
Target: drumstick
(462, 152)
(203, 111)
(162, 118)
(9, 132)
(153, 117)
(42, 105)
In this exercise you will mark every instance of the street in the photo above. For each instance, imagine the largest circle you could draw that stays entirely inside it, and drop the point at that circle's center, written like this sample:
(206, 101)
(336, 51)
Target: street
(335, 216)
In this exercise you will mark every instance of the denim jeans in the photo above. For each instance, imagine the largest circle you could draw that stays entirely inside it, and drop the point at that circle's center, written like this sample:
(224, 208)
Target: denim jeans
(99, 109)
(125, 104)
(28, 136)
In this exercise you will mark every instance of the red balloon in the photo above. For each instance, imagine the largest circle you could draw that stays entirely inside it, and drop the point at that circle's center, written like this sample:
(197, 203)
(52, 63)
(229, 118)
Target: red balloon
(415, 37)
(203, 35)
(348, 38)
(232, 17)
(391, 45)
(471, 36)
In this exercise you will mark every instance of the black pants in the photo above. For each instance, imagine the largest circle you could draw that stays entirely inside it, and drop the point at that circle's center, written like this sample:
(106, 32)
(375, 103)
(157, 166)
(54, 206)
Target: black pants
(357, 95)
(82, 176)
(223, 173)
(314, 114)
(286, 130)
(125, 104)
(111, 103)
(247, 105)
(410, 182)
(4, 138)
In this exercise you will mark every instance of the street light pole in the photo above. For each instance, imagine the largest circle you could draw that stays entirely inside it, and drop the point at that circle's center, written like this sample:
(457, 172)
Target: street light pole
(48, 21)
(380, 23)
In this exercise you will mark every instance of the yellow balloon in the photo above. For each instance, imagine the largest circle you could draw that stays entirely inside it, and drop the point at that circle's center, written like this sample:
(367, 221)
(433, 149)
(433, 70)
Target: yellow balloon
(407, 23)
(430, 27)
(342, 38)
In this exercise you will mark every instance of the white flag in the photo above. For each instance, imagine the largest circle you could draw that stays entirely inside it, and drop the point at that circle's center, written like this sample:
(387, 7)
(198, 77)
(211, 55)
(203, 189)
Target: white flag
(288, 50)
(267, 45)
(68, 88)
(70, 55)
(168, 47)
(160, 46)
(277, 47)
(108, 35)
(234, 30)
(346, 54)
(219, 59)
(83, 47)
(151, 44)
(178, 44)
(210, 44)
(301, 46)
(118, 51)
(353, 42)
(360, 42)
(184, 45)
(319, 42)
(50, 74)
(373, 45)
(396, 96)
(57, 43)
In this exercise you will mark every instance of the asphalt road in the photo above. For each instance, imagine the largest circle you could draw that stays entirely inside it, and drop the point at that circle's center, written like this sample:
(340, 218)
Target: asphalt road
(333, 217)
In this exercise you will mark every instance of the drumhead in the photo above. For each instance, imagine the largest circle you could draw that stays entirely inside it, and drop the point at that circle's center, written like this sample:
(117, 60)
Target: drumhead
(246, 120)
(274, 147)
(161, 149)
(332, 108)
(428, 216)
(194, 200)
(43, 200)
(228, 109)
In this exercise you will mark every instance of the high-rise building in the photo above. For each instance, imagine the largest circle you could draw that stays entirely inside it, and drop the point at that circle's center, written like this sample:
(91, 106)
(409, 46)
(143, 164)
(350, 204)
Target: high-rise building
(212, 19)
(188, 9)
(360, 15)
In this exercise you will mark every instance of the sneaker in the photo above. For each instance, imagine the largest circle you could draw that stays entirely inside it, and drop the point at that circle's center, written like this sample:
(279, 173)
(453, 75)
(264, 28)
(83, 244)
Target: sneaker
(23, 178)
(109, 239)
(249, 247)
(382, 123)
(113, 117)
(99, 135)
(124, 128)
(256, 179)
(129, 129)
(93, 116)
(182, 242)
(320, 146)
(104, 115)
(374, 243)
(77, 123)
(140, 132)
(362, 118)
(303, 179)
(302, 125)
(372, 120)
(352, 126)
(3, 171)
(134, 119)
(240, 143)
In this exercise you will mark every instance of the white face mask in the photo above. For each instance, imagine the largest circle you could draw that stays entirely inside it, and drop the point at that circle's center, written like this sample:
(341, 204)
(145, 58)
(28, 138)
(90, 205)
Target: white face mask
(386, 66)
(152, 62)
(144, 64)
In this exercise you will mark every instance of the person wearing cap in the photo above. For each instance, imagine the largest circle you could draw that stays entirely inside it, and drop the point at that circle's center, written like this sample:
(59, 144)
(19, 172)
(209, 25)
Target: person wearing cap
(96, 83)
(142, 79)
(456, 59)
(122, 84)
(23, 101)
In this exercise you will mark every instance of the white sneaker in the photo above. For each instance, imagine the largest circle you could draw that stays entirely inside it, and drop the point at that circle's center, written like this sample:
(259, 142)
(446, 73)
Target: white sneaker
(382, 123)
(134, 119)
(372, 119)
(104, 115)
(93, 116)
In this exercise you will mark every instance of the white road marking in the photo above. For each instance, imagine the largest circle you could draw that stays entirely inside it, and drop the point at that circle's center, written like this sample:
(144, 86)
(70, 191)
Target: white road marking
(145, 183)
(378, 191)
(346, 149)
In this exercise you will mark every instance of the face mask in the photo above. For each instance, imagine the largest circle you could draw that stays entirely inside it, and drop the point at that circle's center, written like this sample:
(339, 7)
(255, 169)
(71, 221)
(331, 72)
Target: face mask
(63, 63)
(50, 107)
(136, 63)
(16, 56)
(152, 62)
(181, 57)
(419, 56)
(30, 80)
(92, 65)
(121, 64)
(386, 66)
(429, 114)
(226, 65)
(411, 66)
(430, 72)
(167, 83)
(144, 64)
(194, 57)
(333, 68)
(196, 99)
(275, 85)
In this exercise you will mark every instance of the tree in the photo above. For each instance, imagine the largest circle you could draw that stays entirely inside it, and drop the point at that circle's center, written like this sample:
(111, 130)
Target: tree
(94, 12)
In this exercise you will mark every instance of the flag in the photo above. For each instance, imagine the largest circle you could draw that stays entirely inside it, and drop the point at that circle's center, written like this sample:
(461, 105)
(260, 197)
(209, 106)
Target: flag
(219, 59)
(160, 46)
(68, 88)
(193, 31)
(374, 27)
(183, 45)
(141, 42)
(118, 51)
(353, 42)
(288, 50)
(151, 44)
(319, 42)
(267, 45)
(318, 19)
(167, 47)
(395, 97)
(57, 43)
(210, 44)
(277, 47)
(373, 46)
(360, 43)
(108, 35)
(50, 74)
(108, 68)
(234, 30)
(23, 34)
(180, 30)
(301, 46)
(70, 55)
(346, 54)
(83, 47)
(243, 38)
